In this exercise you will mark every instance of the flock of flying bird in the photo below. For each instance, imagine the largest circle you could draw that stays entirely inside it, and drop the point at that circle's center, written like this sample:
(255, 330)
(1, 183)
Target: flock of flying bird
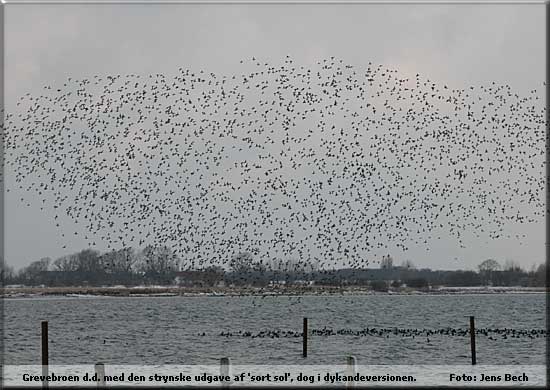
(325, 164)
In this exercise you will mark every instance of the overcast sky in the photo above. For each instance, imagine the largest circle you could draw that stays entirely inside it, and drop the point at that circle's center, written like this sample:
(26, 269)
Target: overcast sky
(456, 45)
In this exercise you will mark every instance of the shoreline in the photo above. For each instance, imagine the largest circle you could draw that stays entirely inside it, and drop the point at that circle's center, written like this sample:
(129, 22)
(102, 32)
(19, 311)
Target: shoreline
(172, 291)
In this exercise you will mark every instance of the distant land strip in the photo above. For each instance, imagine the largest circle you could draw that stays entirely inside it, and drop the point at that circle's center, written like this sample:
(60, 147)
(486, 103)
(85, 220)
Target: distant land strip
(122, 291)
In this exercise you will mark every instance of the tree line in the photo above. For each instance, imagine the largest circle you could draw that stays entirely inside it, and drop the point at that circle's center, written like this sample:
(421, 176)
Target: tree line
(125, 266)
(161, 265)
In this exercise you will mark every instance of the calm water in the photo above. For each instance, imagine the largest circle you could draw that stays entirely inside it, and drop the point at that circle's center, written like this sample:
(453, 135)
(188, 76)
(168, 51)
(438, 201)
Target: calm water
(164, 330)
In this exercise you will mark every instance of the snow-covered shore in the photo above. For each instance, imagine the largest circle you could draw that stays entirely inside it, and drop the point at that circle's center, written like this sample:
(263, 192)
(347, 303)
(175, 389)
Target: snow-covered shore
(168, 291)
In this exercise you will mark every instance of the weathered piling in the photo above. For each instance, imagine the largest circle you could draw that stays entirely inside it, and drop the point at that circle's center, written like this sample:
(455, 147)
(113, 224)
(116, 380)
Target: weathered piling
(473, 339)
(225, 365)
(304, 339)
(100, 373)
(45, 353)
(350, 370)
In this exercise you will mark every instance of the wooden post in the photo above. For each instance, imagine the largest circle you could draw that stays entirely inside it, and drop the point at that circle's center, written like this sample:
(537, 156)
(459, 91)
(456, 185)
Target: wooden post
(473, 339)
(304, 339)
(225, 364)
(351, 361)
(45, 353)
(100, 372)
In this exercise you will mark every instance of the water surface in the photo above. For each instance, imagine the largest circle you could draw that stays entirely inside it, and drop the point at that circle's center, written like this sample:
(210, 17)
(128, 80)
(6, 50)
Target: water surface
(168, 330)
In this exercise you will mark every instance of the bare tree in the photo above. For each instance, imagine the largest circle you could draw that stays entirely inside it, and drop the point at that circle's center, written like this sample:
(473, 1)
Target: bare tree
(487, 269)
(541, 275)
(89, 262)
(241, 262)
(120, 261)
(408, 264)
(159, 262)
(511, 265)
(33, 272)
(7, 274)
(66, 263)
(489, 265)
(387, 262)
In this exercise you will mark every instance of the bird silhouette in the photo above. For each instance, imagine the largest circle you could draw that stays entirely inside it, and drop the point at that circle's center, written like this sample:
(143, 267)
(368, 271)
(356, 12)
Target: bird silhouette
(317, 166)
